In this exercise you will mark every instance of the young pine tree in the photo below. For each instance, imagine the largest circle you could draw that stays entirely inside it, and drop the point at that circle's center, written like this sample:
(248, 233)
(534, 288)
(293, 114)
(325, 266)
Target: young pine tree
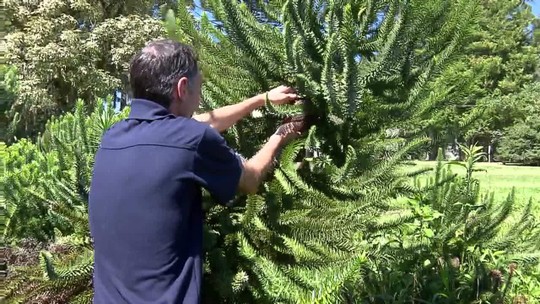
(365, 69)
(463, 247)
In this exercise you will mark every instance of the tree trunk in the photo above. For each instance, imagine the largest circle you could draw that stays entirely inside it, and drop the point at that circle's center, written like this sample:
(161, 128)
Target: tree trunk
(123, 101)
(432, 154)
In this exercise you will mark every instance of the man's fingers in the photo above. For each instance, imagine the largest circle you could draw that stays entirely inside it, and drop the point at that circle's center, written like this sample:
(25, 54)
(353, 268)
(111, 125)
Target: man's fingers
(295, 126)
(292, 96)
(293, 90)
(287, 89)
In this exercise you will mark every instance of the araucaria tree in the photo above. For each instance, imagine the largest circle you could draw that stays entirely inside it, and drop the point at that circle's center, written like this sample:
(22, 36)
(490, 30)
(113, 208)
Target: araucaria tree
(365, 69)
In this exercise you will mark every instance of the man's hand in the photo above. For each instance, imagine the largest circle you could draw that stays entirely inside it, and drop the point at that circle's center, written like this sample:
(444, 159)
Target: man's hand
(223, 118)
(289, 131)
(256, 168)
(282, 95)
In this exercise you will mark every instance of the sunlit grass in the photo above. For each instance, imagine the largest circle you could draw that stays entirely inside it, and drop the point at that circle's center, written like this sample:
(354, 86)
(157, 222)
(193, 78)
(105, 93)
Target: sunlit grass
(499, 179)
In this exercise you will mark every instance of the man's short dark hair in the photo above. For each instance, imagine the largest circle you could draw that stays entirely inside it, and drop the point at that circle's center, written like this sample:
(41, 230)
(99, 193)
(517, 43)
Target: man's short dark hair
(157, 68)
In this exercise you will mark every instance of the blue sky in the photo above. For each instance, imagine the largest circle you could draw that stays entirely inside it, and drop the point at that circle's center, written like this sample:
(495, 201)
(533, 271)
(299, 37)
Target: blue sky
(536, 7)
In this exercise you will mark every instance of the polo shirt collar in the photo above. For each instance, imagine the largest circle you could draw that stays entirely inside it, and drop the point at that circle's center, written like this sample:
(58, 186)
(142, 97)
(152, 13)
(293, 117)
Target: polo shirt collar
(147, 110)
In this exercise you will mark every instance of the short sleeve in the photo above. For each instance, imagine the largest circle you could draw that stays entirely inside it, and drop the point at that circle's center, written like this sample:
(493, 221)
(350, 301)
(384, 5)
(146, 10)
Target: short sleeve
(217, 167)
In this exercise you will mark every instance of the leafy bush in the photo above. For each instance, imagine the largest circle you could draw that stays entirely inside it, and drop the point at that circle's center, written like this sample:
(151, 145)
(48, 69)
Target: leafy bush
(460, 247)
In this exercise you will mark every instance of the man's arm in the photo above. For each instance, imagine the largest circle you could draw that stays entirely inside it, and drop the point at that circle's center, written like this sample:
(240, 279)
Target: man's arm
(223, 118)
(223, 172)
(255, 169)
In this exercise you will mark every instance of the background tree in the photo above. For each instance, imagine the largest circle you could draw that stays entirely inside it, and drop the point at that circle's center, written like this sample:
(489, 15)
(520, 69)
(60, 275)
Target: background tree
(504, 61)
(6, 99)
(5, 95)
(520, 142)
(66, 50)
(501, 58)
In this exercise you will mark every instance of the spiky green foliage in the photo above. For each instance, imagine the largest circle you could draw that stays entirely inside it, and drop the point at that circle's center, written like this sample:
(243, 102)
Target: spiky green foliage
(46, 183)
(461, 248)
(65, 277)
(46, 193)
(364, 69)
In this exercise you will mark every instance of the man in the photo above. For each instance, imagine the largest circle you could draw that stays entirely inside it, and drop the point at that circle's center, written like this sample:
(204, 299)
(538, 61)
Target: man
(145, 208)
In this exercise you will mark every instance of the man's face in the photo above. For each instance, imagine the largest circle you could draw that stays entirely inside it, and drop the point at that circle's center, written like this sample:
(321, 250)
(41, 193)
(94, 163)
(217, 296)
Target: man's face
(189, 96)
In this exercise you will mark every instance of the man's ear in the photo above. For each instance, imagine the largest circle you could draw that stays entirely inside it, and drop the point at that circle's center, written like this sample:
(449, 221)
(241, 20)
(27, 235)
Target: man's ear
(182, 87)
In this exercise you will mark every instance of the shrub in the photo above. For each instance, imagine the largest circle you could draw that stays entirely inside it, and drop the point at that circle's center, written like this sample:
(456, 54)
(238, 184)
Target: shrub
(460, 246)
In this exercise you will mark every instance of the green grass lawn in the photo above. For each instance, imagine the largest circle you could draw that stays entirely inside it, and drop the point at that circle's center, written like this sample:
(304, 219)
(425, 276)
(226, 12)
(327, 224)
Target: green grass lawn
(500, 179)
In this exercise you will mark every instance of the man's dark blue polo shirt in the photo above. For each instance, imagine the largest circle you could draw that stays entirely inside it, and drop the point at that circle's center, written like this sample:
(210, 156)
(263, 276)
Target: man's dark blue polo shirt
(145, 207)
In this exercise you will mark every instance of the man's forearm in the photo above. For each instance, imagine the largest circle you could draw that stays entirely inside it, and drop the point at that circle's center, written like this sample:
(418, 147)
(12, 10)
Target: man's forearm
(223, 118)
(256, 168)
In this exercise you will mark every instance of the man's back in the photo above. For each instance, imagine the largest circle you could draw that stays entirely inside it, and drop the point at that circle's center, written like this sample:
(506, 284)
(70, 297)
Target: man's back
(145, 205)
